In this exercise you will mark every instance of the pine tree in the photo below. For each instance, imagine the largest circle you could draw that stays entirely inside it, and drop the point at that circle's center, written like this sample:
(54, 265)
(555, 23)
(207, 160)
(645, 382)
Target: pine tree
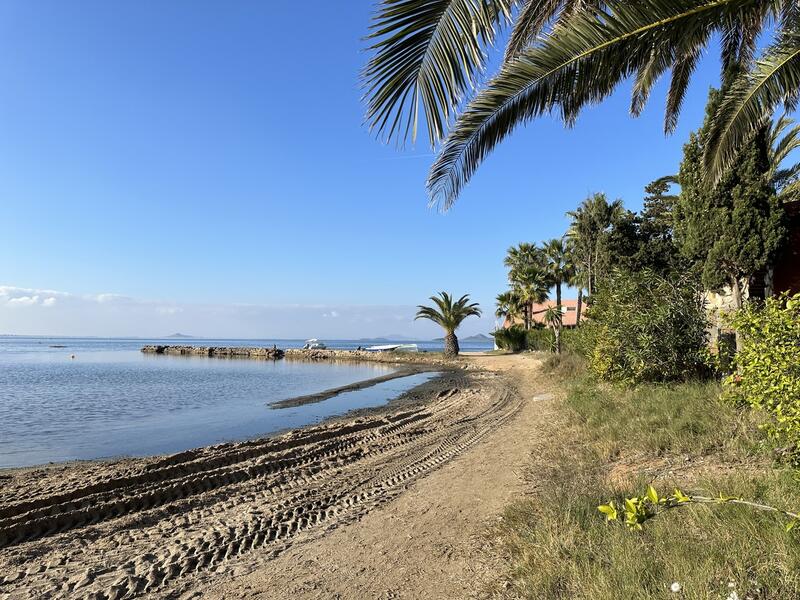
(732, 230)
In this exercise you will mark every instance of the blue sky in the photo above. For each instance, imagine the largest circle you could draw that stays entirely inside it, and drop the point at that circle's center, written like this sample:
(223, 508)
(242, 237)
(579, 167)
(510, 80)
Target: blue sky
(197, 153)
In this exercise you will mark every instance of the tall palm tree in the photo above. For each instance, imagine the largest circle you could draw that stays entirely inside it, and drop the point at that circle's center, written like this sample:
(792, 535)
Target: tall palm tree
(449, 314)
(563, 55)
(526, 275)
(589, 225)
(577, 276)
(559, 267)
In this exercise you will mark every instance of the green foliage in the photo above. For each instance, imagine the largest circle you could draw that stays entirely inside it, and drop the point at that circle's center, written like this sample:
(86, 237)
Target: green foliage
(529, 280)
(589, 230)
(768, 376)
(511, 338)
(733, 229)
(540, 340)
(647, 327)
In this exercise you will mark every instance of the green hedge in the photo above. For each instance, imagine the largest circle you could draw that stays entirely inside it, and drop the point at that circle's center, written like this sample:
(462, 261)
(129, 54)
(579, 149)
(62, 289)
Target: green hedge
(768, 362)
(646, 327)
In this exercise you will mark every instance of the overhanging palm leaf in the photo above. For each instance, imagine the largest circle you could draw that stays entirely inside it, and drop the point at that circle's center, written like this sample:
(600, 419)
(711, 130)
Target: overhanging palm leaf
(774, 80)
(427, 52)
(783, 139)
(581, 62)
(534, 17)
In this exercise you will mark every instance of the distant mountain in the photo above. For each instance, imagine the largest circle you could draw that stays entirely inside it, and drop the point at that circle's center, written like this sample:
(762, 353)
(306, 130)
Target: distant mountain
(181, 336)
(473, 338)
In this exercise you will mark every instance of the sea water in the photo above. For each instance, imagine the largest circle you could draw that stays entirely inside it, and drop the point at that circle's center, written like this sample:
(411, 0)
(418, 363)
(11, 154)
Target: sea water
(69, 398)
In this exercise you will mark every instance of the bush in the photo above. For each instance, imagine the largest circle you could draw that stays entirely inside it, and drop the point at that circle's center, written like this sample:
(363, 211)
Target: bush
(646, 327)
(512, 338)
(540, 340)
(768, 364)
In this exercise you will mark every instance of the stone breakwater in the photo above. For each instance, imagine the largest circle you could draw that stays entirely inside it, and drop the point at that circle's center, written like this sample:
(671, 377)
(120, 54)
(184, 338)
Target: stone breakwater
(422, 358)
(220, 351)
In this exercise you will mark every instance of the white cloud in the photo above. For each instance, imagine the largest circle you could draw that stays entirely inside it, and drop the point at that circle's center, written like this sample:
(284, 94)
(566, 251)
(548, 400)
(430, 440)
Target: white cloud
(49, 312)
(23, 301)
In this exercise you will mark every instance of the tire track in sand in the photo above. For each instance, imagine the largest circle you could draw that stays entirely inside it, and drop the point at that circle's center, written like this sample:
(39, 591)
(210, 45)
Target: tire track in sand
(198, 513)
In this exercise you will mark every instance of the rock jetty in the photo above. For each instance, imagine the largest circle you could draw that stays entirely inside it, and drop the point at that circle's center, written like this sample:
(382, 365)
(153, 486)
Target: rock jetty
(219, 351)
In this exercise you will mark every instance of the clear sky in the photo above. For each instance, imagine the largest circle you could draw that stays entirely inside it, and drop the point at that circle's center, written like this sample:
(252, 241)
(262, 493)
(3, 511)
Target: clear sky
(188, 159)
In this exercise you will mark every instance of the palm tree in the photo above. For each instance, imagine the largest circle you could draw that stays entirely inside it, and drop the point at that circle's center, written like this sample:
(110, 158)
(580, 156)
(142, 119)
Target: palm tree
(577, 276)
(509, 306)
(526, 275)
(449, 315)
(559, 267)
(531, 286)
(563, 55)
(554, 318)
(588, 228)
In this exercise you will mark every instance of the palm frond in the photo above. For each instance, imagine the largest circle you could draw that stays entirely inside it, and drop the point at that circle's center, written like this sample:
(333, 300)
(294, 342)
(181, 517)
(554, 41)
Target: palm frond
(790, 192)
(581, 62)
(750, 100)
(428, 53)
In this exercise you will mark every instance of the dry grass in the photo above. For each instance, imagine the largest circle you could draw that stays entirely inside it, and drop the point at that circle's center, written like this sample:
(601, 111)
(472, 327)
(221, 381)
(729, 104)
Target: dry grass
(611, 444)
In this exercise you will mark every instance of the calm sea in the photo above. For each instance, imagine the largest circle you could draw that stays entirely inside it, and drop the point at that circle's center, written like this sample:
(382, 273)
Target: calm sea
(111, 400)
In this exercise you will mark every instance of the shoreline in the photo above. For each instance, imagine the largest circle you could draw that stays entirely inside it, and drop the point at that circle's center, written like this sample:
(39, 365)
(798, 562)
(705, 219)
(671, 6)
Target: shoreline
(161, 525)
(389, 405)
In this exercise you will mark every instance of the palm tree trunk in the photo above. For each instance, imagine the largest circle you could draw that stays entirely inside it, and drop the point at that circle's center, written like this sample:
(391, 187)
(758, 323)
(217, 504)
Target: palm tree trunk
(557, 332)
(580, 305)
(451, 348)
(558, 294)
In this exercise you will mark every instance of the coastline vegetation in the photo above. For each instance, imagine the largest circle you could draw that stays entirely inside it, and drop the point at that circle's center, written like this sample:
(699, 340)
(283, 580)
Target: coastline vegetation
(616, 441)
(647, 402)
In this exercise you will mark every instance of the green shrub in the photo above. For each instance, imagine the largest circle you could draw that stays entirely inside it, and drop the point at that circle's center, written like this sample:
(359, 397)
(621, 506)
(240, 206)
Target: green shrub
(646, 327)
(768, 362)
(540, 339)
(512, 338)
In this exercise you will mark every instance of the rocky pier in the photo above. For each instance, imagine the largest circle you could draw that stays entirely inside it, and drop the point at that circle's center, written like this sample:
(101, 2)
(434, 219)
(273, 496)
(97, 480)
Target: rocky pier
(218, 351)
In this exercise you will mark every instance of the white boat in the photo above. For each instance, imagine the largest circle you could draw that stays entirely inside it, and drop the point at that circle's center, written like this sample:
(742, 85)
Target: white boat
(314, 344)
(407, 348)
(393, 348)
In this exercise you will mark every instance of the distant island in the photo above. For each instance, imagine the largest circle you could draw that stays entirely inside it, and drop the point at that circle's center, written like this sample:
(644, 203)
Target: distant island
(473, 338)
(181, 336)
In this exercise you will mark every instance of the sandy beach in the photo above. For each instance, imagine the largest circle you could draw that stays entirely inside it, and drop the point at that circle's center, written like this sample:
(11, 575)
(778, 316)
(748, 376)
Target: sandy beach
(357, 507)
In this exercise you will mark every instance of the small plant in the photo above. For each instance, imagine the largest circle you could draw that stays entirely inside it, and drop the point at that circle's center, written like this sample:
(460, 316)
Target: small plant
(639, 509)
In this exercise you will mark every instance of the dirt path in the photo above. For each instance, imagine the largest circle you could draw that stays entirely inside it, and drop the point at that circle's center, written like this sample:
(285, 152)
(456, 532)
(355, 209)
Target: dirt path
(391, 506)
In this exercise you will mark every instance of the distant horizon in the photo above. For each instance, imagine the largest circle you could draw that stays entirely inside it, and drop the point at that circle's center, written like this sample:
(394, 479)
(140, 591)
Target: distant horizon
(398, 338)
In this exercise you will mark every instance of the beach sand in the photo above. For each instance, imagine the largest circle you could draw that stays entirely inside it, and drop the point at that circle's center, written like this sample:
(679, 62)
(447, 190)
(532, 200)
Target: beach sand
(389, 504)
